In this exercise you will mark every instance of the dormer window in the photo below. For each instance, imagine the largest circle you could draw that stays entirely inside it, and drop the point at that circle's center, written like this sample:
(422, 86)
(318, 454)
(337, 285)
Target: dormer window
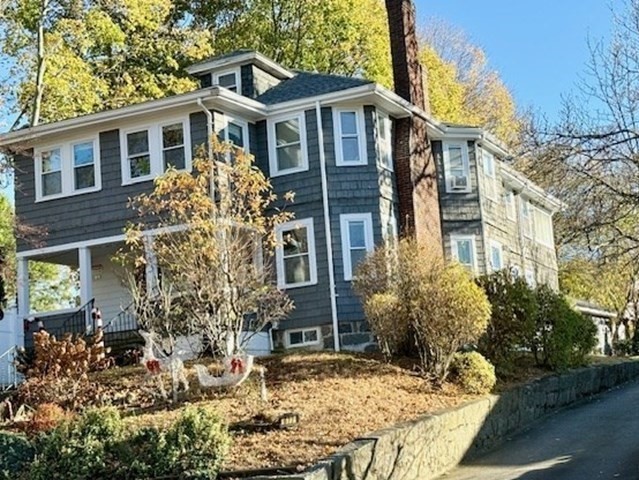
(229, 79)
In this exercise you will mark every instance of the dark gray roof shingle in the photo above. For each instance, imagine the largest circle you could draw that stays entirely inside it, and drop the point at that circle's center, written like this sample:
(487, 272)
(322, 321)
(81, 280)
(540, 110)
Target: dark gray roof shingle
(305, 84)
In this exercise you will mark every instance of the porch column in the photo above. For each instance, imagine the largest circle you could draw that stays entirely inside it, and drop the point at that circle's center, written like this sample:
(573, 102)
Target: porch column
(86, 280)
(23, 288)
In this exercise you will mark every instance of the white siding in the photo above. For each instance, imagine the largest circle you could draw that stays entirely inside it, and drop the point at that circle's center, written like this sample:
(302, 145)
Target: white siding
(109, 293)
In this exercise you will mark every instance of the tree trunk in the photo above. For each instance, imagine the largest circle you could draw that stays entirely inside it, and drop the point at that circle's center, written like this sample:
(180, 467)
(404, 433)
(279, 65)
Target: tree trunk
(41, 58)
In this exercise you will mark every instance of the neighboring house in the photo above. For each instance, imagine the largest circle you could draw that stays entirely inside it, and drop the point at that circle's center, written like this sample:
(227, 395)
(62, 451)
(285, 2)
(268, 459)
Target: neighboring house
(493, 217)
(352, 151)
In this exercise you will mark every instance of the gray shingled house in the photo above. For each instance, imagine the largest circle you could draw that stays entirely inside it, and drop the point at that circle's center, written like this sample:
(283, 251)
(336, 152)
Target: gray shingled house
(492, 216)
(357, 155)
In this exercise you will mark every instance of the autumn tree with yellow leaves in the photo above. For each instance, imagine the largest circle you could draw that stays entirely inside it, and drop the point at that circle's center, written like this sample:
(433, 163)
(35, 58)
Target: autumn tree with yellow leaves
(206, 241)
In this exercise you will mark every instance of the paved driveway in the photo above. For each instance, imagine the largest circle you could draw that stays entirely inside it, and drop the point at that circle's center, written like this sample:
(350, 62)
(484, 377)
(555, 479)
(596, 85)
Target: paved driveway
(596, 440)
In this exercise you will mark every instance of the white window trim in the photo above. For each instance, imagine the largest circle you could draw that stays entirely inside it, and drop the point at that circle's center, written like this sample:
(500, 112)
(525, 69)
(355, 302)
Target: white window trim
(344, 220)
(215, 80)
(67, 170)
(500, 247)
(279, 253)
(272, 143)
(454, 239)
(486, 153)
(287, 337)
(465, 162)
(221, 123)
(536, 233)
(361, 136)
(155, 149)
(510, 205)
(383, 115)
(490, 178)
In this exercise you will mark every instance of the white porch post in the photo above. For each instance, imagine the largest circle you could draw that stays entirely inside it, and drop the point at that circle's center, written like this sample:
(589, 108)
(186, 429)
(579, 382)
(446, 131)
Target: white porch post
(86, 280)
(23, 288)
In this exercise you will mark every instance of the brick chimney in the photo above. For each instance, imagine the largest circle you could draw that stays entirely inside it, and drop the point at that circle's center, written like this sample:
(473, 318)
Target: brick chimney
(414, 162)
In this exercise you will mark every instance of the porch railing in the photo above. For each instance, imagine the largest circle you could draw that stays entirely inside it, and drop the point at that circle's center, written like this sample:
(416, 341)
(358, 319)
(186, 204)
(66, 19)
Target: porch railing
(78, 323)
(121, 331)
(9, 376)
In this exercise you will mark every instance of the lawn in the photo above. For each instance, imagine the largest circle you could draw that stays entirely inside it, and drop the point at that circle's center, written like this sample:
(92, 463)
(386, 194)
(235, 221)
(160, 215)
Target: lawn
(339, 397)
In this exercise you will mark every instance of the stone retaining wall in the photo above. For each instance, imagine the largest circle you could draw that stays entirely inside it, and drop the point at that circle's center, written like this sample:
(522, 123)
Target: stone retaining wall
(430, 445)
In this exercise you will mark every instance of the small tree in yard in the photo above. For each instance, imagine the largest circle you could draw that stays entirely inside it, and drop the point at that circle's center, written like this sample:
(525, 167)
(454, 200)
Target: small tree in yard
(417, 303)
(512, 321)
(208, 264)
(564, 336)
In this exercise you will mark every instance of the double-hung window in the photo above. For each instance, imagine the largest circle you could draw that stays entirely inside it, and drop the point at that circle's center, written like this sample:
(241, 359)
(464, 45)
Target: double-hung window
(51, 172)
(496, 256)
(138, 154)
(83, 165)
(456, 167)
(350, 144)
(357, 240)
(173, 146)
(229, 79)
(385, 140)
(295, 254)
(67, 169)
(232, 130)
(287, 145)
(489, 173)
(543, 227)
(463, 250)
(150, 150)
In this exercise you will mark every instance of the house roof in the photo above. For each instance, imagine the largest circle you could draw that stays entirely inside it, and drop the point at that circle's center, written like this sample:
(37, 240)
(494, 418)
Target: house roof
(305, 84)
(593, 309)
(237, 58)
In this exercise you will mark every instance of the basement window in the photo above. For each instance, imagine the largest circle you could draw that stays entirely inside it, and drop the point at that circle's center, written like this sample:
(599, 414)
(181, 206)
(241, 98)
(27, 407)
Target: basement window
(303, 337)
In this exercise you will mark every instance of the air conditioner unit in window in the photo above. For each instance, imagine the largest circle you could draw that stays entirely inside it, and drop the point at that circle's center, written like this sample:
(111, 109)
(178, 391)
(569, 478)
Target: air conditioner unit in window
(460, 182)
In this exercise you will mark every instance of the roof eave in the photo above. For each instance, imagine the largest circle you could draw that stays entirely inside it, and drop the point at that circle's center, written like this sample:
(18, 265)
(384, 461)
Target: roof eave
(260, 60)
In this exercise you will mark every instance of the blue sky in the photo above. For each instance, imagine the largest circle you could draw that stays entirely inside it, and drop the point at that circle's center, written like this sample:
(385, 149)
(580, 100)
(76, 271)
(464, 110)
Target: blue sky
(538, 46)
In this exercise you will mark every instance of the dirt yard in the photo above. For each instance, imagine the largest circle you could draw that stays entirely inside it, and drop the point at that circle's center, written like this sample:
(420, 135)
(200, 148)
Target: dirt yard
(338, 397)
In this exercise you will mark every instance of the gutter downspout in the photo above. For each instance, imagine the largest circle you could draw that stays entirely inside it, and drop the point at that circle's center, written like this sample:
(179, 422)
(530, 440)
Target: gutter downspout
(327, 226)
(479, 169)
(209, 136)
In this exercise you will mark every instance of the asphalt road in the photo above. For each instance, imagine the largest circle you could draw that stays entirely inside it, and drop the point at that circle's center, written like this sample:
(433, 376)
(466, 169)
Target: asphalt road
(595, 440)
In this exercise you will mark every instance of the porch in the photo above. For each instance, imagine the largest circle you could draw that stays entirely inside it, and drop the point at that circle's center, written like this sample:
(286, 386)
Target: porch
(99, 286)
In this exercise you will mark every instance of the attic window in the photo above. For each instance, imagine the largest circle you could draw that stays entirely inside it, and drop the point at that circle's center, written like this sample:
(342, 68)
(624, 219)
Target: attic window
(228, 79)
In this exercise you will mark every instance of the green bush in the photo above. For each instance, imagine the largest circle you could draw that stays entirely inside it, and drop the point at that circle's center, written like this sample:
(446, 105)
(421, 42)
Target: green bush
(564, 336)
(79, 449)
(512, 320)
(16, 453)
(196, 444)
(622, 348)
(417, 303)
(473, 372)
(96, 445)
